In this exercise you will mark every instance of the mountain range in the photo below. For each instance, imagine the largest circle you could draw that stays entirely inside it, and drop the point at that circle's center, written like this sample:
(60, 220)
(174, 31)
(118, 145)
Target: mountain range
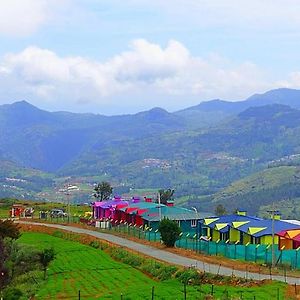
(200, 151)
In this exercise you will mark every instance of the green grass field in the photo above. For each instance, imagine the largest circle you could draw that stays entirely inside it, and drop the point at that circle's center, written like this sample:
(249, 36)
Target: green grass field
(98, 276)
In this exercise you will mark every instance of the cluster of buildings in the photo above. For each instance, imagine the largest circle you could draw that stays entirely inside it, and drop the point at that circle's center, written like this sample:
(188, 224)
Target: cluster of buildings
(145, 212)
(237, 228)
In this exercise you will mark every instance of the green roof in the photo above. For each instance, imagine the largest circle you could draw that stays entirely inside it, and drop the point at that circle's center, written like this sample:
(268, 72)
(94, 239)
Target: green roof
(172, 213)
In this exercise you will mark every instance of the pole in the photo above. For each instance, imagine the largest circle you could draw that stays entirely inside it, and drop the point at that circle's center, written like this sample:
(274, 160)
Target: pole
(273, 238)
(159, 208)
(69, 209)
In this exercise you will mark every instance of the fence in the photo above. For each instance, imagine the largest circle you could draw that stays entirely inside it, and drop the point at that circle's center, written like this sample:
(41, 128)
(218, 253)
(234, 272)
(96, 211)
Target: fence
(201, 292)
(252, 253)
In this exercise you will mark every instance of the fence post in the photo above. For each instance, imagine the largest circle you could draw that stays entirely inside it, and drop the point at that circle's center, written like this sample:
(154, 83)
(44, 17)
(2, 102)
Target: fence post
(297, 250)
(184, 290)
(79, 295)
(212, 289)
(255, 259)
(246, 247)
(217, 246)
(186, 240)
(152, 294)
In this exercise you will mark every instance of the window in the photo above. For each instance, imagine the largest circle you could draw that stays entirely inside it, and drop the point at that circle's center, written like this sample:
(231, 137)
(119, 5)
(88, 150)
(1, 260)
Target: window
(193, 223)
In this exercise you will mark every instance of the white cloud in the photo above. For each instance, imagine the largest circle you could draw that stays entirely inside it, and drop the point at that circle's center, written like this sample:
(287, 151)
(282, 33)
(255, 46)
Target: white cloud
(145, 69)
(24, 17)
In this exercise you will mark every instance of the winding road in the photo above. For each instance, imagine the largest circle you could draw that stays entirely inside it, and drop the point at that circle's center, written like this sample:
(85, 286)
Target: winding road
(170, 257)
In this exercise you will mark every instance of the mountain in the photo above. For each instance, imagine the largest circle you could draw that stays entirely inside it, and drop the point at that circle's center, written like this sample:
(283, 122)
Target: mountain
(215, 111)
(44, 140)
(198, 156)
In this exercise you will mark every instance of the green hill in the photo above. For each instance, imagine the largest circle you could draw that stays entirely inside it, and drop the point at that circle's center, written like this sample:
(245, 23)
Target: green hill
(259, 191)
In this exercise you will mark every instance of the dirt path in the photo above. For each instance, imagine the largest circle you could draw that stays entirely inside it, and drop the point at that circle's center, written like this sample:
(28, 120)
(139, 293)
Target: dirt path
(170, 257)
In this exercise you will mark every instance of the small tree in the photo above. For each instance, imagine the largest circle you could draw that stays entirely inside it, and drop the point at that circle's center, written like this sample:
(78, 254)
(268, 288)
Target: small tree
(45, 258)
(8, 229)
(103, 190)
(220, 210)
(169, 231)
(166, 195)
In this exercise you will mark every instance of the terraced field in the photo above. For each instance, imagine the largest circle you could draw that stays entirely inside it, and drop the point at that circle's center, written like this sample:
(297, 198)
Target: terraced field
(98, 276)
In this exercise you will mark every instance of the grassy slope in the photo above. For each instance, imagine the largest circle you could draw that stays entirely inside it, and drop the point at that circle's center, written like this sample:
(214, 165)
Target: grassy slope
(262, 188)
(100, 277)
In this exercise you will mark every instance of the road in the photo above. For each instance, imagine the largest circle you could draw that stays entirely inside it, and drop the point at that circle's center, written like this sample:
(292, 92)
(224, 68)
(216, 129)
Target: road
(171, 257)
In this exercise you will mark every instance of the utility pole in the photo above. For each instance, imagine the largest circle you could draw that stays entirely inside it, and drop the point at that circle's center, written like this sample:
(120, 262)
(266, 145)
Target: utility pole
(272, 211)
(159, 206)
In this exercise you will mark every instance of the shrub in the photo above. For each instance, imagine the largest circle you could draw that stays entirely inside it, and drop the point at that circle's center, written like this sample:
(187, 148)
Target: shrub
(58, 234)
(189, 275)
(95, 244)
(12, 294)
(169, 231)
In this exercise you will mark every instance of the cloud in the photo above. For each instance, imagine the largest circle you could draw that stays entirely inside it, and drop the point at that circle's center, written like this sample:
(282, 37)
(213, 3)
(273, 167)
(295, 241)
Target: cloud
(24, 17)
(146, 70)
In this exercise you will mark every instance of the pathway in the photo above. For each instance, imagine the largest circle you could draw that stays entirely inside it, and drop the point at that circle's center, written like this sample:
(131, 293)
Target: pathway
(170, 257)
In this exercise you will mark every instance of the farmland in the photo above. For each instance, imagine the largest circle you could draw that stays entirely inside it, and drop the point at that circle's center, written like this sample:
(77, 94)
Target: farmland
(98, 276)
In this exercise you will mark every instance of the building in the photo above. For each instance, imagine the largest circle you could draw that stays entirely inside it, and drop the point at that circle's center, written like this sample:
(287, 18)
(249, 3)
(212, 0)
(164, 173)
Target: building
(242, 229)
(289, 239)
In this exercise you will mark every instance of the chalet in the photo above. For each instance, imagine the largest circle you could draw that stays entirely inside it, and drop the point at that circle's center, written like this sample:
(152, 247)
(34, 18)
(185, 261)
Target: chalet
(243, 229)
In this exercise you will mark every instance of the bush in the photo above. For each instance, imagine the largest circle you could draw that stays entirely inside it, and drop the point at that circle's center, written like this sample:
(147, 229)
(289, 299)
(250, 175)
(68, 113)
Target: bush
(58, 234)
(189, 275)
(169, 231)
(95, 244)
(12, 294)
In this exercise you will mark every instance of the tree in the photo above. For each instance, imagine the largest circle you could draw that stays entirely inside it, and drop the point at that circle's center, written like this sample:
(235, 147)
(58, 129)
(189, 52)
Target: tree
(166, 195)
(169, 231)
(103, 190)
(8, 229)
(45, 258)
(220, 210)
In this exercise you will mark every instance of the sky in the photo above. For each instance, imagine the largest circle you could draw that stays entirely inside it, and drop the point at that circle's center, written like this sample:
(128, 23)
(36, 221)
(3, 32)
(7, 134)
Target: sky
(114, 57)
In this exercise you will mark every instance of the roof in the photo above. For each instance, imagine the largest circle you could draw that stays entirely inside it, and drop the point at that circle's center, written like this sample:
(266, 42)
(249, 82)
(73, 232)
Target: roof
(258, 228)
(172, 213)
(132, 207)
(293, 234)
(253, 226)
(295, 222)
(109, 203)
(223, 223)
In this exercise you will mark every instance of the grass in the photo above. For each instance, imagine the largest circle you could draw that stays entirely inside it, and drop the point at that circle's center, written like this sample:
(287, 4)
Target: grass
(5, 206)
(98, 276)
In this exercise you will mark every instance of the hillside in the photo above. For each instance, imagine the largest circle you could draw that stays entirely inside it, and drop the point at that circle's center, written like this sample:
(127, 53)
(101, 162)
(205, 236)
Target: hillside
(148, 150)
(260, 190)
(199, 163)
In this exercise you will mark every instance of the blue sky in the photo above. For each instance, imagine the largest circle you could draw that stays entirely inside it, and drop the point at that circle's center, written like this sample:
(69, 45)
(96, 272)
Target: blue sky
(112, 57)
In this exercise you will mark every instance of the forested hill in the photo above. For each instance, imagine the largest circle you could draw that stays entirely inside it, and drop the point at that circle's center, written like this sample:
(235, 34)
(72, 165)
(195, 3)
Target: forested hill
(198, 151)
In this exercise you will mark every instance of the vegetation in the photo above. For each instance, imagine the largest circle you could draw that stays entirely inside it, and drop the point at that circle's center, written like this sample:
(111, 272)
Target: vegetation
(169, 231)
(7, 230)
(46, 256)
(166, 195)
(200, 163)
(74, 269)
(103, 191)
(220, 210)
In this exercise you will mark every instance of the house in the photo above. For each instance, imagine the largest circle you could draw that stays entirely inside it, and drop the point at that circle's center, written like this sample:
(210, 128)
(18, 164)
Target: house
(289, 239)
(106, 209)
(243, 229)
(187, 219)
